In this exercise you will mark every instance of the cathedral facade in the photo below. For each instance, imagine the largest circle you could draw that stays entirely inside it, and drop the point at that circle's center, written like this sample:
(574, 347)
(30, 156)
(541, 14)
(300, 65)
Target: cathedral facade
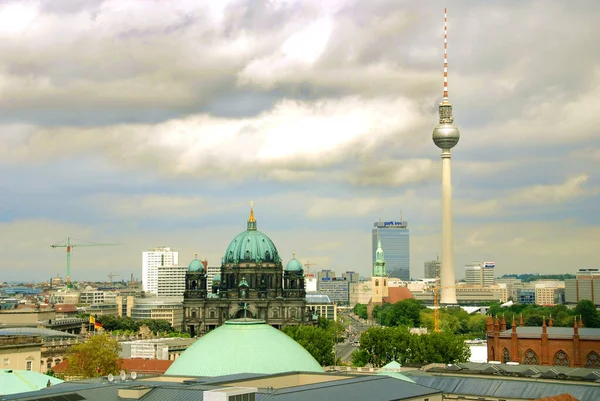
(252, 283)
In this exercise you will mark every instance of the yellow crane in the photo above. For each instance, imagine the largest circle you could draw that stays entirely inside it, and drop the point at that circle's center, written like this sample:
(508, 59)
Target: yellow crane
(111, 275)
(308, 265)
(67, 244)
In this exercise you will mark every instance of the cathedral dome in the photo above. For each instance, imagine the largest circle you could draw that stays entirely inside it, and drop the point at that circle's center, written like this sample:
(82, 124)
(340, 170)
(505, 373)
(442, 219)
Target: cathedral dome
(251, 246)
(294, 265)
(243, 346)
(196, 266)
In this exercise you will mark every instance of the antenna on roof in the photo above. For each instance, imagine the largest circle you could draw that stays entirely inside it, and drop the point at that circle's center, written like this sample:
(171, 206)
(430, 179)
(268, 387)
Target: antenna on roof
(123, 375)
(110, 377)
(133, 375)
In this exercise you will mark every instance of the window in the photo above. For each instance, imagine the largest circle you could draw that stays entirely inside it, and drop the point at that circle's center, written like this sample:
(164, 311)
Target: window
(506, 356)
(561, 359)
(593, 360)
(6, 361)
(28, 365)
(530, 358)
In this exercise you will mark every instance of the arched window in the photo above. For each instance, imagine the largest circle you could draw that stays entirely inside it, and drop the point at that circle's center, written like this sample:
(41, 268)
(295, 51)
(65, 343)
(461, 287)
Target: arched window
(530, 358)
(384, 282)
(561, 359)
(592, 360)
(376, 283)
(505, 355)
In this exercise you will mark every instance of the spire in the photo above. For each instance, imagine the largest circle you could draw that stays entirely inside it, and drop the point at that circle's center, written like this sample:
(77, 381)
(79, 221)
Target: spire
(445, 108)
(521, 322)
(550, 321)
(580, 320)
(251, 219)
(513, 325)
(379, 268)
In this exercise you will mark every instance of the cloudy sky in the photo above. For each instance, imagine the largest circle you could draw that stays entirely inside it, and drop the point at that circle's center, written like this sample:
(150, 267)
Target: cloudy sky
(155, 123)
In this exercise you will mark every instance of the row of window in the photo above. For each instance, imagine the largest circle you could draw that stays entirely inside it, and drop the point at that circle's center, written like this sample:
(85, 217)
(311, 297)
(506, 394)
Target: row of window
(560, 358)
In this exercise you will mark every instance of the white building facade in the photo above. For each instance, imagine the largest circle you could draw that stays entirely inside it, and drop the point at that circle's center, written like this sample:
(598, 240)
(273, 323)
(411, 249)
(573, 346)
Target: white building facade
(171, 281)
(151, 261)
(480, 273)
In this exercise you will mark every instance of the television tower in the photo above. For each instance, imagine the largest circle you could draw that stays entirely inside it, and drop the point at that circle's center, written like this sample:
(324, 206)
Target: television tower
(446, 136)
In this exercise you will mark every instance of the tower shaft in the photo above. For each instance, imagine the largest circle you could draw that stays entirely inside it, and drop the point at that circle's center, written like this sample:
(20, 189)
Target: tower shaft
(448, 292)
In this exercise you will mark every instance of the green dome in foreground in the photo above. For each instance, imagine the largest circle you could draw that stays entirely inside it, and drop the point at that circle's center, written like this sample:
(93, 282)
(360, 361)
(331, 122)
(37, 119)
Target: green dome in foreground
(20, 381)
(243, 346)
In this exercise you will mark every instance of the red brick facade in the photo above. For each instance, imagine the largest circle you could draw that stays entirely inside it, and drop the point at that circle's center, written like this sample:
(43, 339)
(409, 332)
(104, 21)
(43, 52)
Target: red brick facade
(546, 345)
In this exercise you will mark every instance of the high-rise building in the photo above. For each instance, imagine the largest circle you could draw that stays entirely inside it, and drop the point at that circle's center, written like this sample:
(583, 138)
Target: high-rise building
(446, 136)
(432, 268)
(480, 273)
(352, 277)
(395, 239)
(586, 285)
(171, 281)
(151, 260)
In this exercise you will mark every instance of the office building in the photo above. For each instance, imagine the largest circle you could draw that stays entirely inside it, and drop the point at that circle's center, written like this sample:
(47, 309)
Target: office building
(171, 281)
(325, 275)
(211, 272)
(432, 268)
(586, 285)
(352, 277)
(151, 261)
(395, 239)
(547, 293)
(321, 305)
(480, 273)
(337, 290)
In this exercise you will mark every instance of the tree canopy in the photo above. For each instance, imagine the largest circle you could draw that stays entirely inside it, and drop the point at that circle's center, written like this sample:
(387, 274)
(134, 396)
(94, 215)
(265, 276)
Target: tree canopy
(381, 345)
(114, 323)
(316, 340)
(97, 356)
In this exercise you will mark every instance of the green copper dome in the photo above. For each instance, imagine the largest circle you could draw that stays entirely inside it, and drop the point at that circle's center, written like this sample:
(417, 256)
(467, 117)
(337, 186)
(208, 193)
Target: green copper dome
(20, 381)
(243, 346)
(217, 277)
(196, 266)
(251, 246)
(294, 265)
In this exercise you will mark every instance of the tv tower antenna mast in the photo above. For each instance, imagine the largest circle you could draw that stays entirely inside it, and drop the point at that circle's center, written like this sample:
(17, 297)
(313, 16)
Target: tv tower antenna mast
(446, 136)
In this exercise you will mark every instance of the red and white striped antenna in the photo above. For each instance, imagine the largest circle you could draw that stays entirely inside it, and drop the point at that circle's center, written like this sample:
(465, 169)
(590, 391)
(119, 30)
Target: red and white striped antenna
(445, 54)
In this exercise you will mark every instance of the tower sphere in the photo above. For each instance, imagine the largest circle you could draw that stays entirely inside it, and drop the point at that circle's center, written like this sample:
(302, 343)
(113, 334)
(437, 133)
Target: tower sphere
(446, 135)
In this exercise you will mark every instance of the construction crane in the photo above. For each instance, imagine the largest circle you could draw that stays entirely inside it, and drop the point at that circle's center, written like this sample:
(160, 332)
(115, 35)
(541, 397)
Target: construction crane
(67, 244)
(436, 303)
(308, 265)
(111, 275)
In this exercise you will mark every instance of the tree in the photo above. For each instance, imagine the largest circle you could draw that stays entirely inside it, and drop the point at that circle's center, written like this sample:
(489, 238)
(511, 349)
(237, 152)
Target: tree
(98, 356)
(588, 312)
(317, 341)
(361, 311)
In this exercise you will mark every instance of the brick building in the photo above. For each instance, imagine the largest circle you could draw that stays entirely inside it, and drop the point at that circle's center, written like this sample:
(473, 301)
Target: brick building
(547, 345)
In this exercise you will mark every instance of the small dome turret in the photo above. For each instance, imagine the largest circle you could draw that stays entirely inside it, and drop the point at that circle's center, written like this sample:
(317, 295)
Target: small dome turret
(294, 264)
(196, 266)
(217, 278)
